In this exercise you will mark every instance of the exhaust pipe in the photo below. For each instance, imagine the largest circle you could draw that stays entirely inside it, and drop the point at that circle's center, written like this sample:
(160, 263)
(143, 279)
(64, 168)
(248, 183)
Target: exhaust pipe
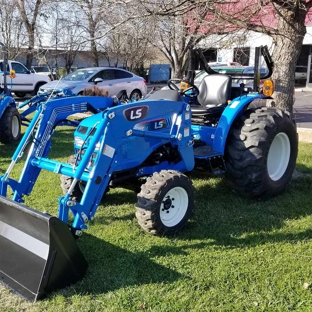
(38, 253)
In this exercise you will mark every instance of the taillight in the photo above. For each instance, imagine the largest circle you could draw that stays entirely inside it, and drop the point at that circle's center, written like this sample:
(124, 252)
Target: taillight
(144, 81)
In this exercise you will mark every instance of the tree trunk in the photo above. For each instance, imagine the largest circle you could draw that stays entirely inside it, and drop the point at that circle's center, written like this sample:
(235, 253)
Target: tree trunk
(30, 52)
(287, 49)
(95, 54)
(94, 51)
(177, 71)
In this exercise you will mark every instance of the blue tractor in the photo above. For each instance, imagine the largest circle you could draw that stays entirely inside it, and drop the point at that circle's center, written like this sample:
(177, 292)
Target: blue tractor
(10, 120)
(148, 146)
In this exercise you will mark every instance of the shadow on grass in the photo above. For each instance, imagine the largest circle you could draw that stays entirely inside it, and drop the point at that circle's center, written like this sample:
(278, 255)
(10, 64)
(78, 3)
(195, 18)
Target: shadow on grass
(6, 153)
(231, 220)
(111, 268)
(228, 219)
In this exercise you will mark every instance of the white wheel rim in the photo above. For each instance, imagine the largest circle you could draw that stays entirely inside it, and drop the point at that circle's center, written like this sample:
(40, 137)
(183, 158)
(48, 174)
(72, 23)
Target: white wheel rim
(278, 157)
(174, 206)
(15, 126)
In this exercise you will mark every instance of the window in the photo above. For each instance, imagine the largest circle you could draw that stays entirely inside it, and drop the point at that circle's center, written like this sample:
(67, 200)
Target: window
(19, 68)
(242, 55)
(79, 75)
(210, 56)
(40, 69)
(1, 67)
(106, 74)
(301, 69)
(120, 74)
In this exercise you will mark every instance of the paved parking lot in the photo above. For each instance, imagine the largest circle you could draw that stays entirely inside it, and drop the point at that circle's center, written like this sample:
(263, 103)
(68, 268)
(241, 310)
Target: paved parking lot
(303, 108)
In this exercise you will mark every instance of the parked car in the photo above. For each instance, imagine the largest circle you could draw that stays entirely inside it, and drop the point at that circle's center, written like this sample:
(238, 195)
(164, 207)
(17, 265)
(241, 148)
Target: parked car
(219, 64)
(110, 79)
(43, 70)
(250, 70)
(25, 81)
(232, 70)
(301, 72)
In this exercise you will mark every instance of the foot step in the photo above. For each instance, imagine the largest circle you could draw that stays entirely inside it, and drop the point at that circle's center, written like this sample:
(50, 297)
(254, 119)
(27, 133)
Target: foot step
(203, 150)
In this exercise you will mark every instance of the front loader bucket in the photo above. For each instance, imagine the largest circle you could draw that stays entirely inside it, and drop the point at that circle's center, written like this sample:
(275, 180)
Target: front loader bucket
(38, 253)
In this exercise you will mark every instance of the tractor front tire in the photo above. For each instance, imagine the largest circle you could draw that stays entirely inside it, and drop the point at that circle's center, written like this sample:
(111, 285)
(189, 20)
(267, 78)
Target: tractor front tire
(165, 203)
(78, 190)
(10, 125)
(261, 152)
(66, 182)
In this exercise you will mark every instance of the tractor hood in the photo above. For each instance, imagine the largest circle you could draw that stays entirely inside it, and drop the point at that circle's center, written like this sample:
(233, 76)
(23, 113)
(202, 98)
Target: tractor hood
(87, 124)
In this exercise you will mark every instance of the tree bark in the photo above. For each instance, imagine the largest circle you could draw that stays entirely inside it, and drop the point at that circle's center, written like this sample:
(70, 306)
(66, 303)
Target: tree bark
(30, 25)
(288, 43)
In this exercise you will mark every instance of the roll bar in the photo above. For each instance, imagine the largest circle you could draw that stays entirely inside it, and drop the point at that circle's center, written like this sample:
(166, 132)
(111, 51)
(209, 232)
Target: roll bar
(260, 51)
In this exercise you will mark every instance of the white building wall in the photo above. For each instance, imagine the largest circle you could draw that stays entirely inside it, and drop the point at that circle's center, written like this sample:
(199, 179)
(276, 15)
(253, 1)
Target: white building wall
(225, 44)
(308, 36)
(254, 40)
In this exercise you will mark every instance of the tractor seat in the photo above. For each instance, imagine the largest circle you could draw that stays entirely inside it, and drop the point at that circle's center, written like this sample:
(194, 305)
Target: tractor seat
(171, 95)
(214, 94)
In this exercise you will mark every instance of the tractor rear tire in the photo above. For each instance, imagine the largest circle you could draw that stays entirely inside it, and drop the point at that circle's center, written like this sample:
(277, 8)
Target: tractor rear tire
(165, 203)
(10, 125)
(261, 152)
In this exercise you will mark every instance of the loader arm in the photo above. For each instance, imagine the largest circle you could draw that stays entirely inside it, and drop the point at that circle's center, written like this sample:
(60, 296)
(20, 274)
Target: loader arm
(123, 139)
(39, 133)
(30, 106)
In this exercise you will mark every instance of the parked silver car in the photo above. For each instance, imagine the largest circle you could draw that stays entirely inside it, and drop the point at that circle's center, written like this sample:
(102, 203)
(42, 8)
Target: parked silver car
(243, 70)
(301, 72)
(109, 79)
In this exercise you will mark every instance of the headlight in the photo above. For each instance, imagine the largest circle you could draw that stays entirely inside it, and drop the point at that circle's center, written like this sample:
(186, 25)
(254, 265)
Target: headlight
(97, 146)
(78, 141)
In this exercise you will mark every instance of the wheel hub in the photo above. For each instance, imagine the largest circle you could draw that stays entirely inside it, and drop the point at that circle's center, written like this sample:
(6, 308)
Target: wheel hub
(167, 204)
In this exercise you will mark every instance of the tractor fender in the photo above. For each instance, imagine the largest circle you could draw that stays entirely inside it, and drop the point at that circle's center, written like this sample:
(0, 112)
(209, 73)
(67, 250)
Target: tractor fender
(5, 102)
(232, 111)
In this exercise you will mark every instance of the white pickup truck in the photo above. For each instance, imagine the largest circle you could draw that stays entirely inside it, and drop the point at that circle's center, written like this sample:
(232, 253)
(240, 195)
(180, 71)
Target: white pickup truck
(25, 81)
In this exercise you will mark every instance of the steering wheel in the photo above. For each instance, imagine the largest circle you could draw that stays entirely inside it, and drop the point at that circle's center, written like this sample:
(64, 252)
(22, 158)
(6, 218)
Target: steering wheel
(172, 84)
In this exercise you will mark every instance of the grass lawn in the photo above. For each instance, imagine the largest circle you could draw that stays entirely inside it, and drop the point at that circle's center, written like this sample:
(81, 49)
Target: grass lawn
(234, 255)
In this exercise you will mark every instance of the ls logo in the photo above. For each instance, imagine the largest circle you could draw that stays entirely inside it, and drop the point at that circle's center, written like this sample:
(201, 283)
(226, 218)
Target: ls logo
(159, 124)
(135, 113)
